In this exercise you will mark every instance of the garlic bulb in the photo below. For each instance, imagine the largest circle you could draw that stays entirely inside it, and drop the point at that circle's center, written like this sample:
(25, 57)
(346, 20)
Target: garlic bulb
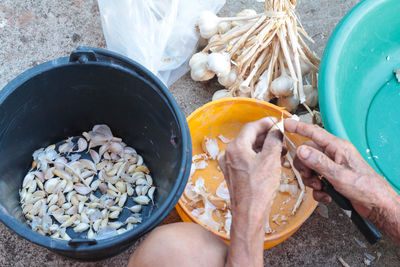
(224, 27)
(282, 86)
(208, 24)
(221, 94)
(220, 63)
(305, 68)
(311, 95)
(228, 80)
(262, 89)
(244, 13)
(290, 103)
(198, 66)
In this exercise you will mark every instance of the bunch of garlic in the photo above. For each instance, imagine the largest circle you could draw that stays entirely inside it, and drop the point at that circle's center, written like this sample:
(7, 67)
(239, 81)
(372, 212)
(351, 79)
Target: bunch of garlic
(261, 56)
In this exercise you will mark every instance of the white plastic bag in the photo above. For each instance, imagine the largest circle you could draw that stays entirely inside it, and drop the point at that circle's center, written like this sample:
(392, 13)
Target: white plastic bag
(159, 34)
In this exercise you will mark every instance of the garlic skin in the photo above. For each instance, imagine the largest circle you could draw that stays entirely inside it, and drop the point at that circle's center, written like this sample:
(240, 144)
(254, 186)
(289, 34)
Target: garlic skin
(290, 103)
(208, 24)
(228, 80)
(198, 66)
(220, 63)
(311, 96)
(210, 147)
(282, 86)
(224, 27)
(221, 94)
(244, 13)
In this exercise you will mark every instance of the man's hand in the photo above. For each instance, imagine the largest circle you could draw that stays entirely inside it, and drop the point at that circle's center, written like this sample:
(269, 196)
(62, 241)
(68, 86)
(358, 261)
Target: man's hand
(340, 162)
(252, 170)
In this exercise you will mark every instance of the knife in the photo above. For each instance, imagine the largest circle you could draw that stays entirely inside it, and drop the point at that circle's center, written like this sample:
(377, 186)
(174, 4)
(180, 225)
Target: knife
(364, 225)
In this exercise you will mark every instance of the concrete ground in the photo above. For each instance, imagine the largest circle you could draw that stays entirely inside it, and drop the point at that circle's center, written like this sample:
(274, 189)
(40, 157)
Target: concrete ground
(33, 31)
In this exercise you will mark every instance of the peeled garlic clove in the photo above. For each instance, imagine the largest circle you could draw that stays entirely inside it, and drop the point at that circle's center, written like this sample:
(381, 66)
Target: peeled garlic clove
(141, 181)
(51, 185)
(70, 221)
(91, 234)
(220, 63)
(121, 186)
(116, 148)
(116, 225)
(114, 215)
(150, 193)
(82, 145)
(82, 189)
(122, 200)
(28, 178)
(88, 164)
(129, 189)
(210, 147)
(62, 174)
(208, 24)
(282, 86)
(149, 180)
(95, 156)
(135, 208)
(311, 95)
(132, 220)
(95, 185)
(290, 103)
(72, 210)
(143, 200)
(144, 190)
(82, 227)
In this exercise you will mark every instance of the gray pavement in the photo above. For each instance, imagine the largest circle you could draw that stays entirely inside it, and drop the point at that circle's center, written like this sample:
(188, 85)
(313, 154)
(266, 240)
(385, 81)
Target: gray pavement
(35, 31)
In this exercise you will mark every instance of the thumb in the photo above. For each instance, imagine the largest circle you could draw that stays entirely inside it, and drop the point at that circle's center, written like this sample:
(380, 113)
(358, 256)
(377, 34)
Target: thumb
(318, 161)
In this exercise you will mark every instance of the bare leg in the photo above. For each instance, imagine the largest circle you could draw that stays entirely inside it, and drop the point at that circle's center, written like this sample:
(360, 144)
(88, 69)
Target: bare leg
(180, 244)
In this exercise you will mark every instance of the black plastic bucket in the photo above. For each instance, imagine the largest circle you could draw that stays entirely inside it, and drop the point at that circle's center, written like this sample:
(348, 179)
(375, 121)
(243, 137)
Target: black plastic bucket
(67, 96)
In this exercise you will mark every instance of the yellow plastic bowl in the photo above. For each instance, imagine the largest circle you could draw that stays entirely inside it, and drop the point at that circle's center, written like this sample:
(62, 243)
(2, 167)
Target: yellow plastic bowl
(227, 117)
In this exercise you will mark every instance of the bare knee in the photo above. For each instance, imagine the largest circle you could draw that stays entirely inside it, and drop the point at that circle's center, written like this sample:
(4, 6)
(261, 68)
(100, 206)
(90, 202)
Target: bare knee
(180, 244)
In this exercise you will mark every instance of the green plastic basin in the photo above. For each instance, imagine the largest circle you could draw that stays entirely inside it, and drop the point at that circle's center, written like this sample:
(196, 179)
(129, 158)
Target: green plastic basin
(358, 92)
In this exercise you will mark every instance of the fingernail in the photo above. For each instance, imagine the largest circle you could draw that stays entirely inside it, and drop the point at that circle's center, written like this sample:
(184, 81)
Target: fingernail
(304, 152)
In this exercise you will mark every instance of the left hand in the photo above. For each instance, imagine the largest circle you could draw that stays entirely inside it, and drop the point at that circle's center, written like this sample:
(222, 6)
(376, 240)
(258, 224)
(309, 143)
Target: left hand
(252, 168)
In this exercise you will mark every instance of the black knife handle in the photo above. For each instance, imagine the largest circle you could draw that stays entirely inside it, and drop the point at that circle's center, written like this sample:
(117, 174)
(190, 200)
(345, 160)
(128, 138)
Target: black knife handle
(364, 226)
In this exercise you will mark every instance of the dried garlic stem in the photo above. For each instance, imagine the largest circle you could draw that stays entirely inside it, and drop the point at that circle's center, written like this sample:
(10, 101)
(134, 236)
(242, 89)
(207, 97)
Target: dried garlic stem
(294, 41)
(243, 39)
(285, 50)
(310, 55)
(234, 33)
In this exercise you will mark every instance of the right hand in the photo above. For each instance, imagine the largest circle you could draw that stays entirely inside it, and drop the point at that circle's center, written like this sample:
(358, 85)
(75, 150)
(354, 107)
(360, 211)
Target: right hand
(339, 162)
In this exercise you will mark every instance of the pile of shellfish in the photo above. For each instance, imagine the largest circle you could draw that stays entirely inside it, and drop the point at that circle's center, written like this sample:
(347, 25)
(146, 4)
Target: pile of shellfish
(83, 184)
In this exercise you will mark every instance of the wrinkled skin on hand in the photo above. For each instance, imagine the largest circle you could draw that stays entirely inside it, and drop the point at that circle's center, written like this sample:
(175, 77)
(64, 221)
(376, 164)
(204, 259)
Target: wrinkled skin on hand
(340, 162)
(252, 169)
(252, 166)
